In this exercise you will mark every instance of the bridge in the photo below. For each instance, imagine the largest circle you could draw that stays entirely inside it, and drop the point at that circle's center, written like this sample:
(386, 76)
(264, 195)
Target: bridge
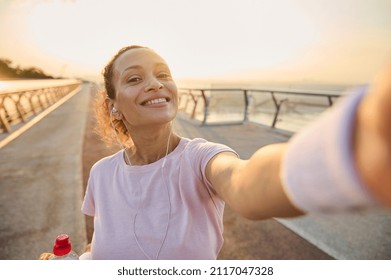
(42, 187)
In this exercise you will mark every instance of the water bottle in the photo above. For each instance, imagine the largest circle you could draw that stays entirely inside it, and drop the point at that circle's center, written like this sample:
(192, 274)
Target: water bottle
(62, 249)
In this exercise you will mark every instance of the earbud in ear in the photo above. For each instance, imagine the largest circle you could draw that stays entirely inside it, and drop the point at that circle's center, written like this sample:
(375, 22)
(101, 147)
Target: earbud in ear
(116, 114)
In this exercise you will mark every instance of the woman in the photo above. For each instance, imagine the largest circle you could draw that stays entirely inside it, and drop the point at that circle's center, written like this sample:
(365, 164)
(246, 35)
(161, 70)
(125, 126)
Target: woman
(162, 196)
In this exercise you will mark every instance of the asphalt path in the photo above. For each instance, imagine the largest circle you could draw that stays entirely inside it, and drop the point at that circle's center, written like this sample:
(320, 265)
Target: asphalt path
(41, 183)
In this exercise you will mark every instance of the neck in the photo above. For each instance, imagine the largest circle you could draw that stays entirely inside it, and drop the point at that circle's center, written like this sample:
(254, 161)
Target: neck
(150, 145)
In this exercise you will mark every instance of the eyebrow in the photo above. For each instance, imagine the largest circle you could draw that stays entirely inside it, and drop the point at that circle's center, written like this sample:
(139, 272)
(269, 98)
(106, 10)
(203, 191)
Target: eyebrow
(132, 67)
(140, 67)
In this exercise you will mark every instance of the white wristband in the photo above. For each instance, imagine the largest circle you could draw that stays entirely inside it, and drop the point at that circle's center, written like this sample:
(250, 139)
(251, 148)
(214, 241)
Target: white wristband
(318, 171)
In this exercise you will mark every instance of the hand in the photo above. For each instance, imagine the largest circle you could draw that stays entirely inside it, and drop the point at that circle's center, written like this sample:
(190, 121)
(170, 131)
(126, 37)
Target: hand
(88, 247)
(372, 138)
(45, 256)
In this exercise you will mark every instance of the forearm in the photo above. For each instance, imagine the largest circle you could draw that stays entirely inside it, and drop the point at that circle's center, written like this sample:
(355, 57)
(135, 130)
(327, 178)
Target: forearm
(256, 191)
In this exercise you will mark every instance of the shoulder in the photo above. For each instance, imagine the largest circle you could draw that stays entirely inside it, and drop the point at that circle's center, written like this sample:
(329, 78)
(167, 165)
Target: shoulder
(199, 151)
(106, 163)
(200, 145)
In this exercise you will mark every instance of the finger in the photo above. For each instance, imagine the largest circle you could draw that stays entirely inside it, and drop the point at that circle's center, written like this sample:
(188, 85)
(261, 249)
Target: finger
(88, 247)
(45, 256)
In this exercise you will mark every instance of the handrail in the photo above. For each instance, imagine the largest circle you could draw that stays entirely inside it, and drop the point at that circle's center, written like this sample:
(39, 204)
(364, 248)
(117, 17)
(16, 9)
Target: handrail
(200, 93)
(18, 105)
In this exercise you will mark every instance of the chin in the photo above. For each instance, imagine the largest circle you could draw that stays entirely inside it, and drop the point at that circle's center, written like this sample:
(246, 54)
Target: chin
(164, 119)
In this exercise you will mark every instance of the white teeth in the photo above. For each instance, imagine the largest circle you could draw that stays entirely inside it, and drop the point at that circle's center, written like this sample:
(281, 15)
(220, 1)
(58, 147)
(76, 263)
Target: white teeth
(155, 101)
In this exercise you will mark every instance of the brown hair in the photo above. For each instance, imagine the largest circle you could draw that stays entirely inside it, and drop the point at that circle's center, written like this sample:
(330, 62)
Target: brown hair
(103, 119)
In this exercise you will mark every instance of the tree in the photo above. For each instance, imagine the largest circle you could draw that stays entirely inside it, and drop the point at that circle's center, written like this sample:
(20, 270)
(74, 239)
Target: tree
(9, 72)
(6, 71)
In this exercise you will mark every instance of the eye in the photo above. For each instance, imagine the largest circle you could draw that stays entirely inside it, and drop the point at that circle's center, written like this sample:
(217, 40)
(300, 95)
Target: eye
(164, 75)
(133, 79)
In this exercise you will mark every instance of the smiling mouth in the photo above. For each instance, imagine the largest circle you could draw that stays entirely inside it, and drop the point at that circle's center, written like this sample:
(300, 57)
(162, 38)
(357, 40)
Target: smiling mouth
(155, 101)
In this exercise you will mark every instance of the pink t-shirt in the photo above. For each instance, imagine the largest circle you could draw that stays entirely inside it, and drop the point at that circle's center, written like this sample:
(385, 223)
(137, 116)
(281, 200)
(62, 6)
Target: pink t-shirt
(150, 212)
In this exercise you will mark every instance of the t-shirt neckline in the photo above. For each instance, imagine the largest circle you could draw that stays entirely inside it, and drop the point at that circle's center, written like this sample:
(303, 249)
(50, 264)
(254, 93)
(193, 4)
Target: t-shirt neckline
(153, 165)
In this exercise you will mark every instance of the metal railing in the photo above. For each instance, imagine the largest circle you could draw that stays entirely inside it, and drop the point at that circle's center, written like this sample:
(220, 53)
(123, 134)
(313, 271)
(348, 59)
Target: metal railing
(191, 99)
(19, 105)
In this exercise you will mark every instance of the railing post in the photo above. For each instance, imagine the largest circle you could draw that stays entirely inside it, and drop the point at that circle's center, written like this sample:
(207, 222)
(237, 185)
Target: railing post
(4, 122)
(195, 100)
(206, 106)
(278, 106)
(40, 99)
(20, 110)
(32, 103)
(246, 105)
(330, 100)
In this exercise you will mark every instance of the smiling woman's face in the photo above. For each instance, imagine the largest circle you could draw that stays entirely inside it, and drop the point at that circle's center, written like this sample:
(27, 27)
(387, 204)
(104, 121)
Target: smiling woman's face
(145, 91)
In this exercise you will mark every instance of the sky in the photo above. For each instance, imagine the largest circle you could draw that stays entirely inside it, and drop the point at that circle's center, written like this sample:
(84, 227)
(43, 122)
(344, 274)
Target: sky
(308, 40)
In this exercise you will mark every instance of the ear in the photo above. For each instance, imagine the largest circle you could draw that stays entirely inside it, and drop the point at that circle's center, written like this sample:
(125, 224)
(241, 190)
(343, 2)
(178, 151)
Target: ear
(112, 110)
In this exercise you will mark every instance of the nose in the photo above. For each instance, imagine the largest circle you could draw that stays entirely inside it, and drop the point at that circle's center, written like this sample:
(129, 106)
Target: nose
(153, 85)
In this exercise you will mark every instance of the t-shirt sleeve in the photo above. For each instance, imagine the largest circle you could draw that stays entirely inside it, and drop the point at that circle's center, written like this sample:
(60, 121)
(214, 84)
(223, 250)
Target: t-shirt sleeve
(201, 152)
(88, 206)
(318, 173)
